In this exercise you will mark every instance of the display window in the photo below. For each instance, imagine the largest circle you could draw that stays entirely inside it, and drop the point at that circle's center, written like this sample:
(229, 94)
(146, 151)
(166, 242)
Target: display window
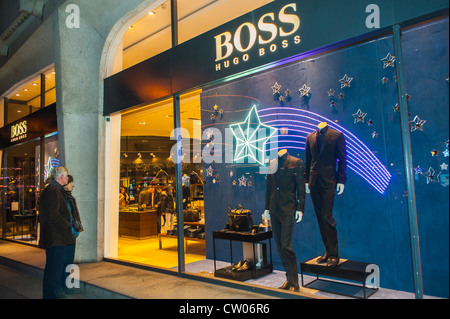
(21, 185)
(147, 200)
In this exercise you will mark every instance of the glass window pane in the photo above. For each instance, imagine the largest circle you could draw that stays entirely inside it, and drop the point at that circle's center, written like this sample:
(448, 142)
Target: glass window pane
(148, 36)
(211, 14)
(147, 217)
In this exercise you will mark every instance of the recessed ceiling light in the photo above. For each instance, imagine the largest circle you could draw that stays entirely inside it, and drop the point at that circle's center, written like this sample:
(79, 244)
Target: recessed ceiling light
(151, 13)
(17, 94)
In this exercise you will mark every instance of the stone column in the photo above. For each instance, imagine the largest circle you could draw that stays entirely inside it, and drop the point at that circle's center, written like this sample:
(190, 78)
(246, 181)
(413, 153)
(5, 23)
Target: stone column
(82, 29)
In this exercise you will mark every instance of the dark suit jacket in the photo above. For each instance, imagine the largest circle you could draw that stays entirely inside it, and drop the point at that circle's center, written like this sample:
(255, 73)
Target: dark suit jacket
(321, 167)
(285, 189)
(54, 217)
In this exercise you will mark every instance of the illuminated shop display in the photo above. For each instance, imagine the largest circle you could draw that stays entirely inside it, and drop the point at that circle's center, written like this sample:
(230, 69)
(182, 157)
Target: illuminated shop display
(301, 122)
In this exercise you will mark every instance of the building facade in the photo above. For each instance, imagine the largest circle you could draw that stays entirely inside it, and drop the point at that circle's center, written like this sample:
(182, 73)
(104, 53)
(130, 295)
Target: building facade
(127, 73)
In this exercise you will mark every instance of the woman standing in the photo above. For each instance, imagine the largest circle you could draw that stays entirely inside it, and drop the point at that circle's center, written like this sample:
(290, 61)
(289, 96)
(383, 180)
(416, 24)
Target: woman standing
(77, 227)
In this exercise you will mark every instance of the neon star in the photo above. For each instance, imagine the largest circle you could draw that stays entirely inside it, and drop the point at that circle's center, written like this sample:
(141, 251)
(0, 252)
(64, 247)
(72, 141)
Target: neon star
(250, 143)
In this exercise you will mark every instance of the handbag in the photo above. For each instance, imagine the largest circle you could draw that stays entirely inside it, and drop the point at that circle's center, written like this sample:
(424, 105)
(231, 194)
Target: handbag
(240, 219)
(191, 215)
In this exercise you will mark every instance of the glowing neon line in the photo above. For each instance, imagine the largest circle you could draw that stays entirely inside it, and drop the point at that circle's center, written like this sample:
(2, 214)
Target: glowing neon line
(364, 153)
(360, 159)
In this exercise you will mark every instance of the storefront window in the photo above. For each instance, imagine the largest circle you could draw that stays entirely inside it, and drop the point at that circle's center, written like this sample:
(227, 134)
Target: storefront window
(426, 56)
(28, 98)
(152, 34)
(21, 187)
(147, 218)
(211, 14)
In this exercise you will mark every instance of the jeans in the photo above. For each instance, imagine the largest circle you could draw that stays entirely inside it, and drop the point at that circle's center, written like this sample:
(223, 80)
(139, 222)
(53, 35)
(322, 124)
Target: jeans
(55, 257)
(70, 255)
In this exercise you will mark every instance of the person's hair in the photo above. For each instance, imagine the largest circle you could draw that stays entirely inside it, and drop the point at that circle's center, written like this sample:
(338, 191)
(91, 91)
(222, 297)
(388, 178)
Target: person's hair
(59, 171)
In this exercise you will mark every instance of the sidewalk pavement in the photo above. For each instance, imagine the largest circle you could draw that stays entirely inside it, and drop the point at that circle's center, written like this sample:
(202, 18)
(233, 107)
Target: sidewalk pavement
(21, 273)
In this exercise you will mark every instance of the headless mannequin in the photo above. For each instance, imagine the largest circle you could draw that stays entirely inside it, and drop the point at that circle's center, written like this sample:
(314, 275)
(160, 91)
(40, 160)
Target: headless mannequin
(340, 187)
(298, 214)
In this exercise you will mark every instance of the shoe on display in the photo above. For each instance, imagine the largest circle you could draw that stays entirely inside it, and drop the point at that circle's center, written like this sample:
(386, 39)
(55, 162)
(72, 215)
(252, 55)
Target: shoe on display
(333, 261)
(236, 266)
(247, 265)
(323, 259)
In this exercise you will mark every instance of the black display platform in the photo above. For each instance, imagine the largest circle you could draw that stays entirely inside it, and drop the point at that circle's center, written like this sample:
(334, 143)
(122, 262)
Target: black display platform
(347, 270)
(248, 237)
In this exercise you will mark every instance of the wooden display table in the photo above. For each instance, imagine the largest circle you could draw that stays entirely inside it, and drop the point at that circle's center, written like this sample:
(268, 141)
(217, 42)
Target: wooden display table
(137, 224)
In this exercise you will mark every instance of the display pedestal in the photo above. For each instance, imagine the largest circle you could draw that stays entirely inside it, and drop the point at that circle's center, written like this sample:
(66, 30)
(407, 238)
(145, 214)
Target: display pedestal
(346, 270)
(246, 237)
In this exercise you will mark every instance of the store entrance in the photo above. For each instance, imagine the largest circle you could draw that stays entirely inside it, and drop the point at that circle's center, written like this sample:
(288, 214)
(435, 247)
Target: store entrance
(19, 193)
(147, 211)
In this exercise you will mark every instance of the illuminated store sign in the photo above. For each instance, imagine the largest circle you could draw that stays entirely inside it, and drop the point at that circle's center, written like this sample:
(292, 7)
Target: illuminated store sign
(34, 125)
(19, 131)
(272, 32)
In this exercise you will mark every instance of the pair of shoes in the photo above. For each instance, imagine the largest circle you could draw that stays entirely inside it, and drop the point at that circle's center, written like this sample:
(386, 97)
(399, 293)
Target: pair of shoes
(236, 266)
(242, 265)
(333, 261)
(288, 286)
(323, 259)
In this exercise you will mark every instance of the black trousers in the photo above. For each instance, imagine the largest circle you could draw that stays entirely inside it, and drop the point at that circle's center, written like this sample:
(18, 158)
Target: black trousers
(323, 200)
(54, 270)
(282, 229)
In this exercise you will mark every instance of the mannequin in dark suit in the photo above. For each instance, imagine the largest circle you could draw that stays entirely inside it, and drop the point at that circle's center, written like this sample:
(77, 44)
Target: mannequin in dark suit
(324, 148)
(285, 203)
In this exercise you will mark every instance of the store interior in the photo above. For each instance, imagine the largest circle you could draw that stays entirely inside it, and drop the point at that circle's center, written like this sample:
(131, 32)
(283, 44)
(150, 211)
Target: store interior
(147, 165)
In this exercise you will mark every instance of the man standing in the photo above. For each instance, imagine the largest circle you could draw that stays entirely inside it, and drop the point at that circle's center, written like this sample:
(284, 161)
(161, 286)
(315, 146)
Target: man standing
(55, 231)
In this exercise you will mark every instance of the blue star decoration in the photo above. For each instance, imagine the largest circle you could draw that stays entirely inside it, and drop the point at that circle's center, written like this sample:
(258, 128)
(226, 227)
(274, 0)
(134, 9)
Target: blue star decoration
(251, 136)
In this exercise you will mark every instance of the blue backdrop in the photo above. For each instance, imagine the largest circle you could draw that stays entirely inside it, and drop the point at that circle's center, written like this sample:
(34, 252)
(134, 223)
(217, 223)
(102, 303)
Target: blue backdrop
(371, 215)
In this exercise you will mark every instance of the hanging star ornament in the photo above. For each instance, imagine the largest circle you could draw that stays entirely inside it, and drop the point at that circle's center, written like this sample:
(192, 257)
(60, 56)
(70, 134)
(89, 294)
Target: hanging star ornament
(304, 91)
(330, 92)
(242, 181)
(444, 167)
(345, 81)
(251, 136)
(276, 88)
(389, 60)
(209, 171)
(431, 176)
(359, 116)
(417, 124)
